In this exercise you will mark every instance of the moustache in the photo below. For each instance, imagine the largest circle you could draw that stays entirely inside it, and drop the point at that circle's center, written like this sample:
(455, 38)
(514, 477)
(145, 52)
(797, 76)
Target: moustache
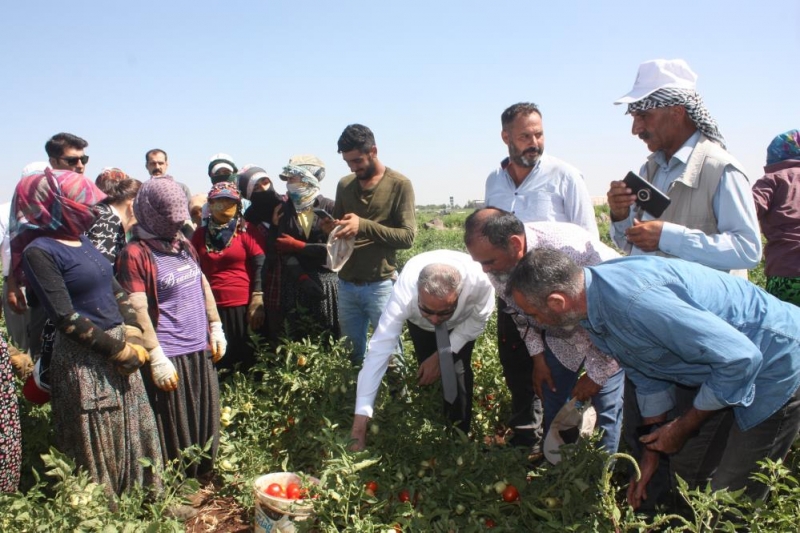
(644, 135)
(532, 151)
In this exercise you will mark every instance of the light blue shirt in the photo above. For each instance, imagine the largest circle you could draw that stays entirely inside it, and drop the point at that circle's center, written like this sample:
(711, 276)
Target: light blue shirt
(670, 321)
(738, 243)
(552, 191)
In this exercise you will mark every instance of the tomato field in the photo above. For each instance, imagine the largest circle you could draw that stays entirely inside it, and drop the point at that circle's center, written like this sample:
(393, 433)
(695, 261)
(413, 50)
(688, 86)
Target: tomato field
(294, 413)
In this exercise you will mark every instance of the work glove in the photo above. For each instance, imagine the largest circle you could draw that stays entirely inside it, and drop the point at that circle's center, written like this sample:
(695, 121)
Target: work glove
(129, 359)
(286, 244)
(21, 361)
(133, 335)
(255, 311)
(218, 342)
(163, 371)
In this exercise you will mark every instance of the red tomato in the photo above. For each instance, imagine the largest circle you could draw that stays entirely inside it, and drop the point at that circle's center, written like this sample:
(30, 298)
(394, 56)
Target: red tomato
(404, 496)
(371, 485)
(275, 490)
(293, 491)
(489, 523)
(511, 494)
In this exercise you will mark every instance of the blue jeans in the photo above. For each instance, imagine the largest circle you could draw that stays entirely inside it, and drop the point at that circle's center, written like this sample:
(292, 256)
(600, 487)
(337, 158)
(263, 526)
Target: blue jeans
(360, 306)
(607, 403)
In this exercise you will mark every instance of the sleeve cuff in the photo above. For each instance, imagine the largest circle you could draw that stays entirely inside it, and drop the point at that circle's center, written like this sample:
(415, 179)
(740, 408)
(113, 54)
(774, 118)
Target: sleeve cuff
(656, 403)
(706, 400)
(672, 235)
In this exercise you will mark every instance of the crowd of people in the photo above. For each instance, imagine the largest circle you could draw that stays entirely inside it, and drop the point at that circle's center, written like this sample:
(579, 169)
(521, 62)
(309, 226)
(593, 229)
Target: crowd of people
(130, 296)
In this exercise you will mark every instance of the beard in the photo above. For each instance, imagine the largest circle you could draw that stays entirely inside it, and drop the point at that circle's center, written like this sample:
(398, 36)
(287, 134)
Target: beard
(565, 325)
(369, 172)
(500, 278)
(526, 158)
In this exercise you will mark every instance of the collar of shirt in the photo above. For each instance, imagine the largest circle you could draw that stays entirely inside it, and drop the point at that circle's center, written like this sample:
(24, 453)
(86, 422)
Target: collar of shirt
(507, 161)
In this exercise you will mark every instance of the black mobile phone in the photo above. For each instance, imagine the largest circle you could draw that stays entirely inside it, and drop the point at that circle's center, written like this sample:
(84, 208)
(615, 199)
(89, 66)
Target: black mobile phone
(648, 197)
(321, 213)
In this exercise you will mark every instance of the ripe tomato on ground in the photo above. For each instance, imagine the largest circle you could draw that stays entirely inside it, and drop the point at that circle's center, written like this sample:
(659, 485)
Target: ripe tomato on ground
(489, 523)
(404, 496)
(371, 485)
(510, 494)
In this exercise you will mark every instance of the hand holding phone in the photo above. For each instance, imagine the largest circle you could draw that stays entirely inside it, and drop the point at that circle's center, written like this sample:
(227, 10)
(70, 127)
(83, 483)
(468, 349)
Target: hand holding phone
(648, 197)
(321, 213)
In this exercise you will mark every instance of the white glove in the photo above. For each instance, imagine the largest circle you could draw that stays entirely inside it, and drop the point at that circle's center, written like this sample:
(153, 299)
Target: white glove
(163, 371)
(218, 342)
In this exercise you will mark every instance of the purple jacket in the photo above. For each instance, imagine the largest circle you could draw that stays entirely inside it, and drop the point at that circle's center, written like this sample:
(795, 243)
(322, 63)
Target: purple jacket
(777, 197)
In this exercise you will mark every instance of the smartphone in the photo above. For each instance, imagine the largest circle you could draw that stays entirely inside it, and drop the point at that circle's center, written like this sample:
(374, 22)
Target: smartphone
(648, 197)
(321, 213)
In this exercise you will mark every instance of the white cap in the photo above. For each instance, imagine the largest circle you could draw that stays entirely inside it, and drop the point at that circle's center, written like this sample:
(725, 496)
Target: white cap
(36, 166)
(570, 424)
(660, 74)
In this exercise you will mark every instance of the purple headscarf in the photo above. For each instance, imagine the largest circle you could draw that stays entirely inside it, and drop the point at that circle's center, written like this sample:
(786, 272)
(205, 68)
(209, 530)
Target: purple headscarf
(161, 210)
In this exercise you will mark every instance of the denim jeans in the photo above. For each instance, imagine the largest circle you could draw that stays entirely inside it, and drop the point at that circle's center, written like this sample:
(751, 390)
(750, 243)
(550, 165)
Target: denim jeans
(360, 306)
(607, 403)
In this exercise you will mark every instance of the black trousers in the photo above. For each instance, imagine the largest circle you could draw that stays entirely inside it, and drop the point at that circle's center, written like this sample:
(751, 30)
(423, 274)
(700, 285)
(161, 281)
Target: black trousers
(526, 407)
(460, 411)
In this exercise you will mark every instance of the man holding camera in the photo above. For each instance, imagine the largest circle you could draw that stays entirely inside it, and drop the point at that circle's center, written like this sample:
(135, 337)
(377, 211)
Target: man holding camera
(711, 220)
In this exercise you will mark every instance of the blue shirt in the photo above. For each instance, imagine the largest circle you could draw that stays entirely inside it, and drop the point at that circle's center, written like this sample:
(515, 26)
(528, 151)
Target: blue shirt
(738, 243)
(552, 191)
(670, 321)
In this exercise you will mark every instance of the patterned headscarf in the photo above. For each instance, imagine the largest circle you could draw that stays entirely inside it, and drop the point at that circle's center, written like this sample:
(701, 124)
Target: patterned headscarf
(687, 98)
(784, 146)
(161, 210)
(311, 172)
(53, 203)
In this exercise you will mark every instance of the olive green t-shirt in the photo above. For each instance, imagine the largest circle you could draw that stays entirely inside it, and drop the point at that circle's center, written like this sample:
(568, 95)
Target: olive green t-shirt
(387, 223)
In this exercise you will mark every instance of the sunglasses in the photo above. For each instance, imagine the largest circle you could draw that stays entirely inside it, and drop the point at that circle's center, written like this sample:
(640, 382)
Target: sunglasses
(428, 312)
(72, 161)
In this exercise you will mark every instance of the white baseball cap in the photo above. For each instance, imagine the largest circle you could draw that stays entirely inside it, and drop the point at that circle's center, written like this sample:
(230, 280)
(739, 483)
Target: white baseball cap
(660, 74)
(570, 424)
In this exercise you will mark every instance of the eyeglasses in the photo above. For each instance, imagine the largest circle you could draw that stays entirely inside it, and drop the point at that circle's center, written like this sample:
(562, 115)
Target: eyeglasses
(443, 313)
(522, 321)
(72, 161)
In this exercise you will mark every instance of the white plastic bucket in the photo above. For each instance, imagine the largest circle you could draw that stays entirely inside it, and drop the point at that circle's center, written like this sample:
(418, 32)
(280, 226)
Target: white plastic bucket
(274, 514)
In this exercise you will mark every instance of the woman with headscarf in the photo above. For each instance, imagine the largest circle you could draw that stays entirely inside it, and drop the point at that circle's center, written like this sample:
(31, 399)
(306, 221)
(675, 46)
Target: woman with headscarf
(100, 412)
(256, 186)
(113, 216)
(232, 261)
(777, 197)
(174, 303)
(307, 286)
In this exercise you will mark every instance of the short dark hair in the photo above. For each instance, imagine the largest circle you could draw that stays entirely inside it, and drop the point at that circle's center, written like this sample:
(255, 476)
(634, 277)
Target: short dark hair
(118, 190)
(155, 151)
(522, 108)
(493, 224)
(55, 146)
(543, 271)
(356, 137)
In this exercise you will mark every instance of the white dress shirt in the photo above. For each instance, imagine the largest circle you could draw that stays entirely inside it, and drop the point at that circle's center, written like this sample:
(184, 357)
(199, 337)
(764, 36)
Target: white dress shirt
(475, 306)
(552, 190)
(5, 243)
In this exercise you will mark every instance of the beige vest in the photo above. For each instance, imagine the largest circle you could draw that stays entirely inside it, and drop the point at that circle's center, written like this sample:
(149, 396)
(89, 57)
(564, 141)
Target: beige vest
(692, 193)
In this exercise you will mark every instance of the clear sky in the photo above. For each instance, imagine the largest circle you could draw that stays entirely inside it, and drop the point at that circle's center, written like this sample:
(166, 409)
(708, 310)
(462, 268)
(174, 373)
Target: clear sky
(265, 80)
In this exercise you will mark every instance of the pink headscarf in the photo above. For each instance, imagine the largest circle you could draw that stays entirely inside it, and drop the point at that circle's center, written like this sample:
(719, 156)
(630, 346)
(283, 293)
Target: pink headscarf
(52, 203)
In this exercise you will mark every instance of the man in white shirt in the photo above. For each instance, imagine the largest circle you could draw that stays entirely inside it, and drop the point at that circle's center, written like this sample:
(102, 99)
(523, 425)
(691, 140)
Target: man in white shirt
(533, 186)
(440, 290)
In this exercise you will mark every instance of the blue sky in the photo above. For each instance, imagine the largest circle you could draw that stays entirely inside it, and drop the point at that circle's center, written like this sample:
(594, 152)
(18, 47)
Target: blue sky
(265, 80)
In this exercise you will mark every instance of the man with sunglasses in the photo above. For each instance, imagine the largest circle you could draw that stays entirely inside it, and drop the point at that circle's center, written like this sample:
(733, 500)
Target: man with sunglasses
(66, 152)
(446, 300)
(498, 240)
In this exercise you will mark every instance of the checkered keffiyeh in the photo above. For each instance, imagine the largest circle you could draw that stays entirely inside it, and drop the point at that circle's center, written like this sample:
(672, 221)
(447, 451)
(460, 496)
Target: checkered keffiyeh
(687, 98)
